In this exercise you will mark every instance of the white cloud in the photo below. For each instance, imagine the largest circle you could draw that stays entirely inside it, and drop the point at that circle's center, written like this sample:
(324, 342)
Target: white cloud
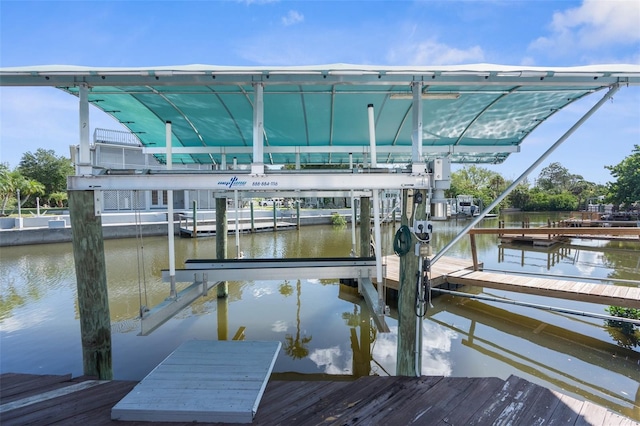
(262, 291)
(330, 360)
(592, 25)
(279, 326)
(291, 18)
(436, 346)
(431, 52)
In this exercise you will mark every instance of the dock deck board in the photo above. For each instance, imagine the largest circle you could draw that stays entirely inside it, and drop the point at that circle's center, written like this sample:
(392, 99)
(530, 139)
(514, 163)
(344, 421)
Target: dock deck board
(367, 400)
(460, 272)
(203, 381)
(439, 271)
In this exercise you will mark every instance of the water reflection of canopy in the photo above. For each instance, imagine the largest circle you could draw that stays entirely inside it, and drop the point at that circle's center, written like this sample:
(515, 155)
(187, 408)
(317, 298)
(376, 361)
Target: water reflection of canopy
(471, 113)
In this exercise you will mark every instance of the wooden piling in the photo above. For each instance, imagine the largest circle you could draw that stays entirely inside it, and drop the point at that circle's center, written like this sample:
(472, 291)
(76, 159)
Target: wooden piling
(408, 346)
(275, 219)
(221, 239)
(365, 226)
(91, 281)
(253, 222)
(474, 251)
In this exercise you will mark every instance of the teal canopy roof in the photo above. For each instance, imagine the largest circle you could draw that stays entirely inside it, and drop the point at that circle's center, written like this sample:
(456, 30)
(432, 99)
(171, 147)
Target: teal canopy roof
(473, 114)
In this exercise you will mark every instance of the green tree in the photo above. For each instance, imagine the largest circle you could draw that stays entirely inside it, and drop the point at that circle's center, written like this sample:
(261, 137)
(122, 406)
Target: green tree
(564, 201)
(45, 167)
(625, 190)
(7, 189)
(479, 182)
(13, 181)
(58, 198)
(554, 178)
(520, 196)
(538, 201)
(28, 188)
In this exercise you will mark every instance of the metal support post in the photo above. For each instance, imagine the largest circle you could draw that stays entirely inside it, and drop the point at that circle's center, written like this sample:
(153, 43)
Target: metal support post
(257, 165)
(84, 163)
(170, 225)
(372, 136)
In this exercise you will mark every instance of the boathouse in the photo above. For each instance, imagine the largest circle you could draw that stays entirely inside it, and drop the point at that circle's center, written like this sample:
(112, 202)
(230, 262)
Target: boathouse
(329, 130)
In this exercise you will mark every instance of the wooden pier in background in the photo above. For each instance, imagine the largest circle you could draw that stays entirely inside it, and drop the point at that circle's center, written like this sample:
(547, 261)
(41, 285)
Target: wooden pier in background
(207, 230)
(552, 235)
(27, 398)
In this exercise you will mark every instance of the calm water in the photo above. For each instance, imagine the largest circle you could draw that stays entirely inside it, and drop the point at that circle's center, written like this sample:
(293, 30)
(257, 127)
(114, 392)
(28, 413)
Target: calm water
(320, 323)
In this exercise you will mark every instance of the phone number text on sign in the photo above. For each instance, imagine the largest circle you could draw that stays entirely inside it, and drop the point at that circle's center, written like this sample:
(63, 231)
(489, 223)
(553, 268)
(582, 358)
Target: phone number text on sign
(263, 184)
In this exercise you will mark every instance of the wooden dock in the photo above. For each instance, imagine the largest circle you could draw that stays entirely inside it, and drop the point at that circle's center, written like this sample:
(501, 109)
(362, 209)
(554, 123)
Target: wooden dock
(439, 271)
(574, 232)
(203, 381)
(604, 294)
(208, 230)
(535, 240)
(371, 400)
(460, 272)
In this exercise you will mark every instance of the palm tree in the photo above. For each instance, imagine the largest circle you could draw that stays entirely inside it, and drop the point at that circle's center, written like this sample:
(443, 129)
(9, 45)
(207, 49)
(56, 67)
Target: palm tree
(6, 189)
(296, 347)
(58, 198)
(13, 181)
(29, 187)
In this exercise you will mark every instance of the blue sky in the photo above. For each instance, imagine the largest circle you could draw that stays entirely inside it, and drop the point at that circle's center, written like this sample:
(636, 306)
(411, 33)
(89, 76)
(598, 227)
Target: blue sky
(271, 32)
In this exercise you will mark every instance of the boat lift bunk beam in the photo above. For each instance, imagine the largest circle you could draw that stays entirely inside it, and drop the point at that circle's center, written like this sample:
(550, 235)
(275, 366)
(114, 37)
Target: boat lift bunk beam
(200, 271)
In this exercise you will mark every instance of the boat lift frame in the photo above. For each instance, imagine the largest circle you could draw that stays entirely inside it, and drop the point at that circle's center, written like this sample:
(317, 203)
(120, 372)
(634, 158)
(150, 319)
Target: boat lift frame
(258, 178)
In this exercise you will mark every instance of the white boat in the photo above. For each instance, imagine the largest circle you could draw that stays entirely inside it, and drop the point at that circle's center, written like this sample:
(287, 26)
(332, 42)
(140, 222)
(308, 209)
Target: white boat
(465, 206)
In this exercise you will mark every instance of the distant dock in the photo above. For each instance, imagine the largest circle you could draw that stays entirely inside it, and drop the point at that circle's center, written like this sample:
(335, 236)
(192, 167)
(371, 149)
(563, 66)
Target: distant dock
(208, 229)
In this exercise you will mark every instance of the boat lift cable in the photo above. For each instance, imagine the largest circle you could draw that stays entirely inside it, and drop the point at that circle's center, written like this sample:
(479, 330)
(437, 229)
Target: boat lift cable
(613, 89)
(601, 279)
(142, 278)
(537, 306)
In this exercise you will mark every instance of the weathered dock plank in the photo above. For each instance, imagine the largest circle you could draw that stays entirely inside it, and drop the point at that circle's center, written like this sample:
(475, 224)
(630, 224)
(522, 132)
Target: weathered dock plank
(439, 271)
(12, 385)
(368, 400)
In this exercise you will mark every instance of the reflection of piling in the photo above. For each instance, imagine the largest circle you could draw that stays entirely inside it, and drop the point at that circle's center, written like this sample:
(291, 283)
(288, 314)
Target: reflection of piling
(223, 318)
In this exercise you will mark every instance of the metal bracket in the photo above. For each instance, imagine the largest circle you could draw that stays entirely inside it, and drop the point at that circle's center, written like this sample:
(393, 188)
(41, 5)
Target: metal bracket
(97, 203)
